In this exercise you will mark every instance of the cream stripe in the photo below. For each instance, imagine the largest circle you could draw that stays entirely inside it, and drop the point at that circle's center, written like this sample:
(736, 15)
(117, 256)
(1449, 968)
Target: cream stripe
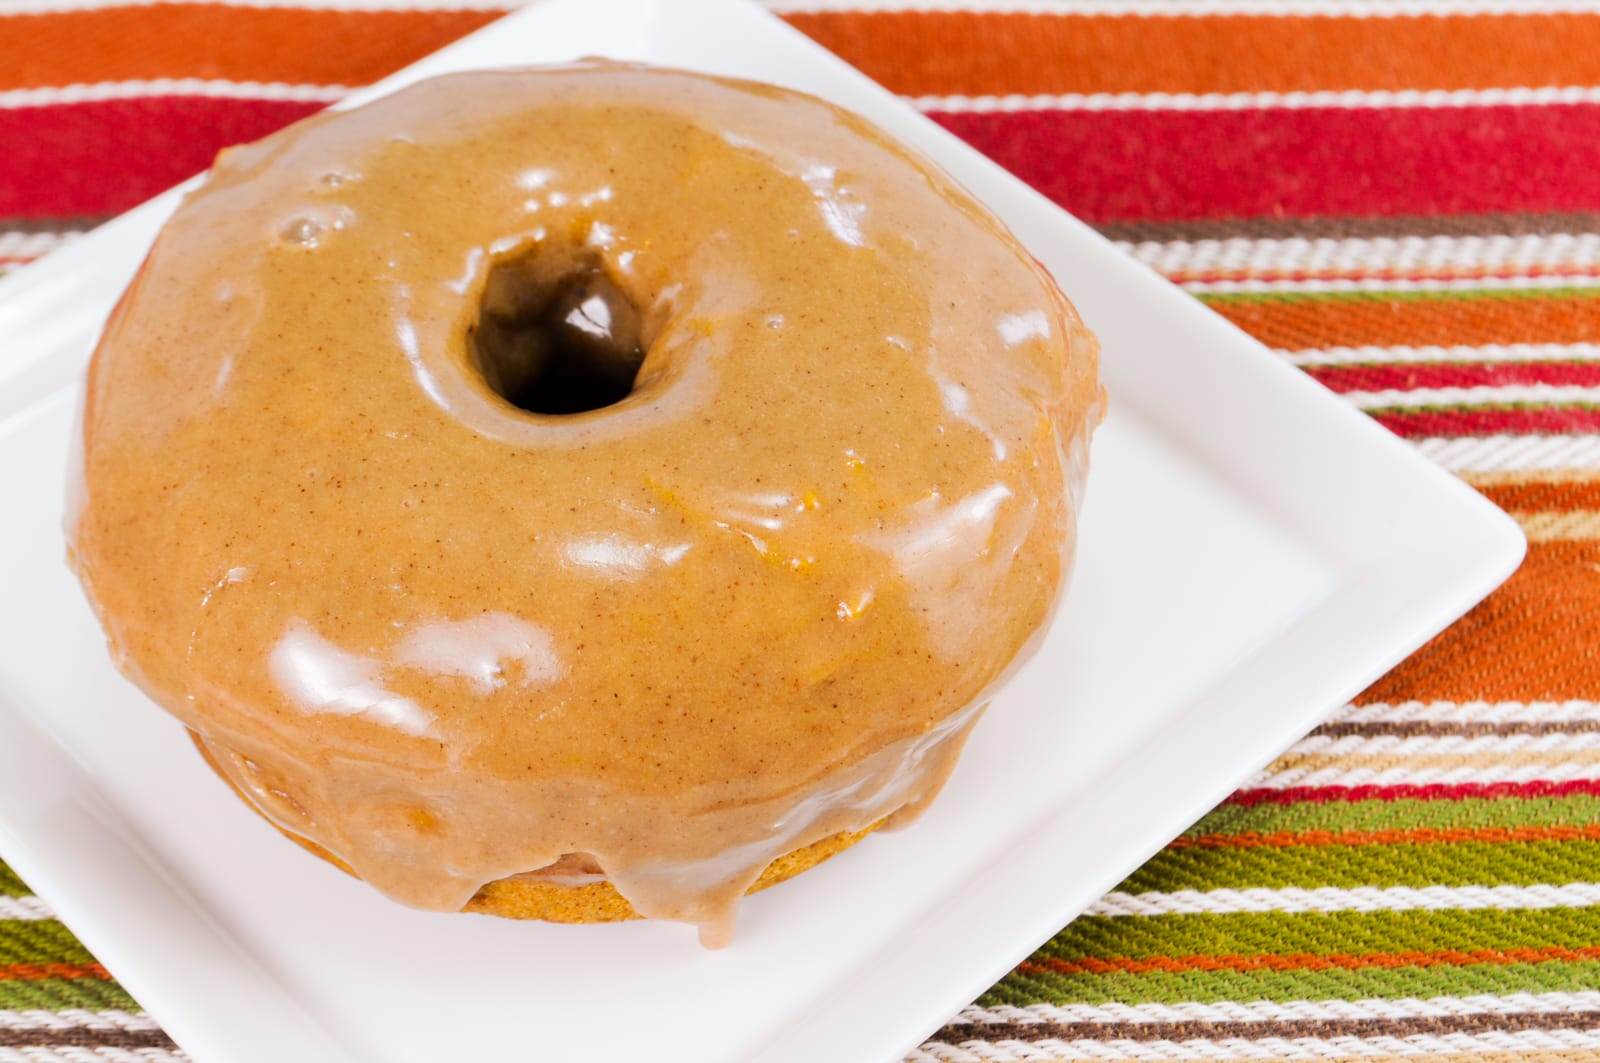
(1362, 899)
(1231, 1048)
(76, 1019)
(1499, 453)
(32, 245)
(25, 908)
(1493, 352)
(99, 1054)
(1441, 1007)
(1540, 394)
(1471, 712)
(1240, 101)
(127, 90)
(1384, 284)
(1558, 527)
(1443, 255)
(1531, 476)
(1407, 746)
(1449, 768)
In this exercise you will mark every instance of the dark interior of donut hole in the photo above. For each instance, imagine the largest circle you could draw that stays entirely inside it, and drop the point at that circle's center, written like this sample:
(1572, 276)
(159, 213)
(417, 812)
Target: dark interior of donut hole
(555, 337)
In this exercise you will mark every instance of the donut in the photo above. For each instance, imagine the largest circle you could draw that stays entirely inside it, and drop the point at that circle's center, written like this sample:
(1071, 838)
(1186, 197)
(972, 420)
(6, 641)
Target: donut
(581, 492)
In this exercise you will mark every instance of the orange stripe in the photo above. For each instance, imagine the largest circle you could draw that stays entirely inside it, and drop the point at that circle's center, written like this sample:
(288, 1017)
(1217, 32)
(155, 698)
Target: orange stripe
(933, 53)
(1562, 496)
(1383, 322)
(236, 43)
(1416, 836)
(1305, 961)
(1526, 642)
(36, 972)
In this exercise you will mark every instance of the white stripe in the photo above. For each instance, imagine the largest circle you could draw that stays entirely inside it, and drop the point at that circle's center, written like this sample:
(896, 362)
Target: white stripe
(28, 908)
(76, 1019)
(1535, 394)
(1443, 255)
(1385, 284)
(1491, 352)
(1505, 453)
(1440, 1007)
(1557, 742)
(1161, 8)
(1241, 101)
(1302, 1048)
(1358, 8)
(78, 93)
(1360, 899)
(127, 90)
(1472, 712)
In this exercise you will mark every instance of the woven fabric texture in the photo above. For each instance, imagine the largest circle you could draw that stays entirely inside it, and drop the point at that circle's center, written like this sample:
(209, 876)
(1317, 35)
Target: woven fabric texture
(1401, 197)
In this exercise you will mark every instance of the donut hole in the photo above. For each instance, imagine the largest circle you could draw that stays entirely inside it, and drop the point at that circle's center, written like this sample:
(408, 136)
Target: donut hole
(556, 340)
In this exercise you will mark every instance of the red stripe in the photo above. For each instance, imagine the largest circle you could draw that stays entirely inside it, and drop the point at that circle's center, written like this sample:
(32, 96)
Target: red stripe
(1346, 378)
(101, 158)
(1532, 420)
(1431, 792)
(1150, 165)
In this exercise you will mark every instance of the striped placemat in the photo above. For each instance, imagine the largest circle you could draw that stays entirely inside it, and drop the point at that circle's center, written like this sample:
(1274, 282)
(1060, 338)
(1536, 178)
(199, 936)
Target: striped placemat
(1402, 197)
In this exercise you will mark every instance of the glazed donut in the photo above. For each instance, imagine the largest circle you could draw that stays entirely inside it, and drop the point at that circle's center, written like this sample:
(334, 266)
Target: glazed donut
(580, 492)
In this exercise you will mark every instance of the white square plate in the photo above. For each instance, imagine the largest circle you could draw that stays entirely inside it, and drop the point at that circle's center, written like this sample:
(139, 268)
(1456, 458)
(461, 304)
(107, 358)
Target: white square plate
(1253, 553)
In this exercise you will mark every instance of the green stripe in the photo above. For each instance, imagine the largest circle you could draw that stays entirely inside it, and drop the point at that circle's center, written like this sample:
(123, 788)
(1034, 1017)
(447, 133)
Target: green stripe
(39, 941)
(1269, 818)
(10, 884)
(1387, 295)
(1208, 987)
(1444, 864)
(1283, 933)
(54, 994)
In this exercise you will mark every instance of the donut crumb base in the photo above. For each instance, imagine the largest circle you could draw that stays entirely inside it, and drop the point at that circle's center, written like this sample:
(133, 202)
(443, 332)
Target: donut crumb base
(526, 897)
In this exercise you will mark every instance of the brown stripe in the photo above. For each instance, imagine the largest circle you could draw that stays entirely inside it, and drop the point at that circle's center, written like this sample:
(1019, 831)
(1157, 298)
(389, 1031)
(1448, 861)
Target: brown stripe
(212, 41)
(1524, 643)
(1418, 728)
(1384, 321)
(1338, 228)
(1437, 1026)
(92, 1040)
(51, 225)
(1562, 496)
(981, 53)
